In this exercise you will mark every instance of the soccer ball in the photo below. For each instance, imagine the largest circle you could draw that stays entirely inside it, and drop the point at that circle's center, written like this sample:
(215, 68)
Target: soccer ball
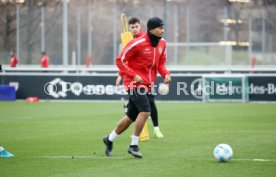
(163, 89)
(223, 152)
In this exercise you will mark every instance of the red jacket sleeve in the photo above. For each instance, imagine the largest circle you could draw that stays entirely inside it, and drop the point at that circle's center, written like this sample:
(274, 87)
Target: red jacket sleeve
(120, 73)
(161, 67)
(124, 56)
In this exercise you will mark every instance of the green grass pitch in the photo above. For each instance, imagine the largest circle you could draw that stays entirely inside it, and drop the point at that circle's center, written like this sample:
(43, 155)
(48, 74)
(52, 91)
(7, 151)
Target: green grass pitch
(44, 137)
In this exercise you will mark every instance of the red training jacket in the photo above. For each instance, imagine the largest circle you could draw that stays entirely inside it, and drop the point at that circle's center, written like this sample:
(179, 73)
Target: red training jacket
(44, 61)
(141, 33)
(140, 57)
(13, 62)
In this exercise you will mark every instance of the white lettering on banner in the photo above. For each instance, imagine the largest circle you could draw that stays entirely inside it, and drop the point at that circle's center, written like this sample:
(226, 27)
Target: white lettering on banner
(76, 88)
(50, 88)
(237, 89)
(222, 89)
(88, 90)
(269, 89)
(109, 90)
(180, 88)
(59, 88)
(100, 89)
(64, 88)
(256, 89)
(197, 88)
(209, 89)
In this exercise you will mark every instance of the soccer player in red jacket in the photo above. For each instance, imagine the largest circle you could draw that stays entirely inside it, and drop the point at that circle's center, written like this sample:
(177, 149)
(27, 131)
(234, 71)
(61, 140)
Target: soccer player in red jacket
(136, 30)
(14, 60)
(44, 60)
(139, 62)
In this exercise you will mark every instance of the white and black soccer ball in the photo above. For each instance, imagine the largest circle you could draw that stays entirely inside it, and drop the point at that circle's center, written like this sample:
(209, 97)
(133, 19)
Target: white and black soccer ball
(223, 153)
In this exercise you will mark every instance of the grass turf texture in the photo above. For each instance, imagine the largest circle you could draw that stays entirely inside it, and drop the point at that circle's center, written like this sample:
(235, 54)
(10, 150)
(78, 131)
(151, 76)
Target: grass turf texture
(45, 136)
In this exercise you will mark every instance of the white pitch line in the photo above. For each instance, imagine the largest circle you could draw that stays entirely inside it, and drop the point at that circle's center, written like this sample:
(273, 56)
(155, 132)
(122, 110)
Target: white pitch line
(257, 160)
(79, 157)
(254, 160)
(102, 157)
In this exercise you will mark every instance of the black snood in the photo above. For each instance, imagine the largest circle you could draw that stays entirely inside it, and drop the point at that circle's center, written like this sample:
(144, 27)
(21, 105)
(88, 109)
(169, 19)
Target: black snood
(154, 40)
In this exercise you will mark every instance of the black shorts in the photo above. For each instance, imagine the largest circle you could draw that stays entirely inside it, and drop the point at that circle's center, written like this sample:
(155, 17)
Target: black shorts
(138, 102)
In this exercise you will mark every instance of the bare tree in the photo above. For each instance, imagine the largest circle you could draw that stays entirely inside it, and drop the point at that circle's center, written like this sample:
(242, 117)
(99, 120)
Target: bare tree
(7, 25)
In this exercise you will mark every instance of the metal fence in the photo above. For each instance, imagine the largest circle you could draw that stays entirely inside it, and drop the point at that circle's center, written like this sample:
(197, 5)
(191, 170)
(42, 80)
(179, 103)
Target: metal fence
(202, 34)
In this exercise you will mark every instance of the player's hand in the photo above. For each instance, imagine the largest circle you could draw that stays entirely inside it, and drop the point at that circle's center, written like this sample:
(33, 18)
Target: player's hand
(118, 81)
(138, 79)
(167, 79)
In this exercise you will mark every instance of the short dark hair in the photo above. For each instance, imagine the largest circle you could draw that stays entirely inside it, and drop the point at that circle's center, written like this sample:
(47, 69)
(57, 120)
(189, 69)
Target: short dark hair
(133, 20)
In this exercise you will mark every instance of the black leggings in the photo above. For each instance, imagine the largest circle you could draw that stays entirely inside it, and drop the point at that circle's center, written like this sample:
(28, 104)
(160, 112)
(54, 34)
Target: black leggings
(154, 113)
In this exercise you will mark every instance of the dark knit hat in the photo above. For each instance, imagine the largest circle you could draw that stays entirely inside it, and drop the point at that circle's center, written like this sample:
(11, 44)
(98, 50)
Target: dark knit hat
(154, 22)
